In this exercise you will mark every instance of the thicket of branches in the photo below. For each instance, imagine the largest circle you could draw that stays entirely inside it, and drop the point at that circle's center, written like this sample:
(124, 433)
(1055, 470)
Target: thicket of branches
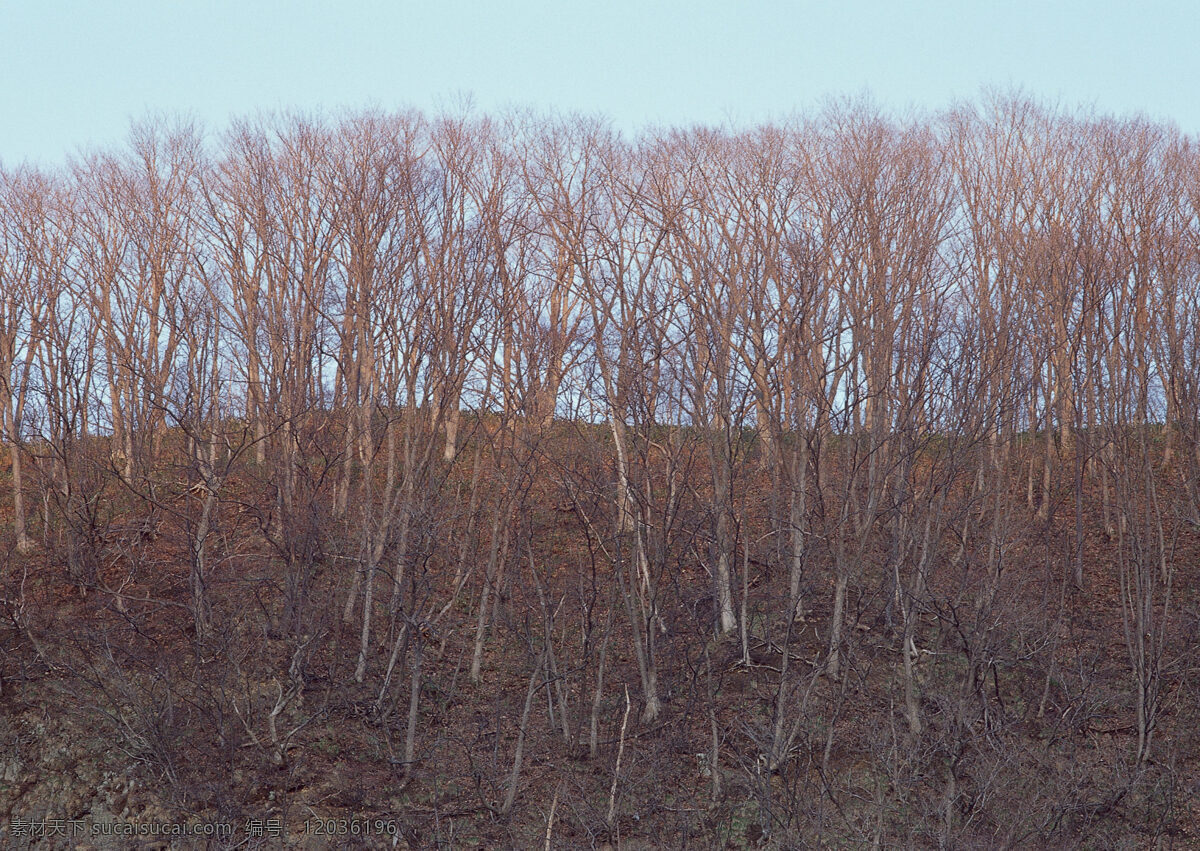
(872, 401)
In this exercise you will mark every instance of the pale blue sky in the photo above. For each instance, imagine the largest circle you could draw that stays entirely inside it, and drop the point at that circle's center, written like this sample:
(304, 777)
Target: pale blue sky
(74, 72)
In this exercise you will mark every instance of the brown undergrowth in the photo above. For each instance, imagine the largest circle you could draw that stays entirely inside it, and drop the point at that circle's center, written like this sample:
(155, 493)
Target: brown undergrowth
(121, 703)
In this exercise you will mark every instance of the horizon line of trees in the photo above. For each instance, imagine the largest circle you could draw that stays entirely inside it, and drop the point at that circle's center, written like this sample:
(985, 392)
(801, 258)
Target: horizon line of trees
(849, 272)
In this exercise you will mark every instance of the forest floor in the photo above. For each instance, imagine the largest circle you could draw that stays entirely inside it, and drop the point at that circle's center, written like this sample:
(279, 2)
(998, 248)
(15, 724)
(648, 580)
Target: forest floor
(114, 713)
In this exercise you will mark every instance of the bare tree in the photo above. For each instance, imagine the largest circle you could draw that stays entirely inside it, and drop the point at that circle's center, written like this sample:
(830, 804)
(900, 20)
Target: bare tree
(24, 218)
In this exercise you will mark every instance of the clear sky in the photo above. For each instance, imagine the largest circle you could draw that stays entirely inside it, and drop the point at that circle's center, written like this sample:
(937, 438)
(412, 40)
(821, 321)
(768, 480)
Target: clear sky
(73, 73)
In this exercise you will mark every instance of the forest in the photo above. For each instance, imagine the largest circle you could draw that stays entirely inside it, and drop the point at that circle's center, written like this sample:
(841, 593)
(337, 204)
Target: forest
(505, 480)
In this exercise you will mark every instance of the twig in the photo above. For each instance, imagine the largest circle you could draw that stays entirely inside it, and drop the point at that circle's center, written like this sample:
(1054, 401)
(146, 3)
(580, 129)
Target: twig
(612, 792)
(550, 819)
